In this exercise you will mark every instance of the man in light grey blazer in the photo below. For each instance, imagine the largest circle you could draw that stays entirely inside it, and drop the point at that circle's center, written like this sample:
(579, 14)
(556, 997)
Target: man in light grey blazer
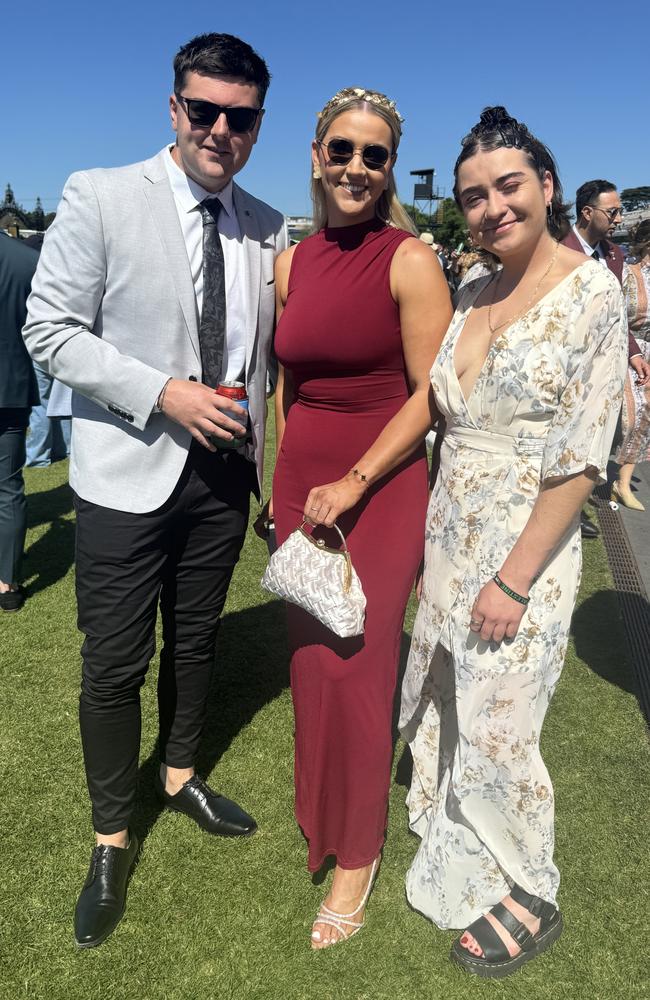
(155, 283)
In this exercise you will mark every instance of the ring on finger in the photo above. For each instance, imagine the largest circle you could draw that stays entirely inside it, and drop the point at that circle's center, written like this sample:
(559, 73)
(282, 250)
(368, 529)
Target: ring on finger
(474, 623)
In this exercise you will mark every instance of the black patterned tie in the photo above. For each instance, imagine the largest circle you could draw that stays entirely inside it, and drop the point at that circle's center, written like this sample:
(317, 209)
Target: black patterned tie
(596, 255)
(212, 331)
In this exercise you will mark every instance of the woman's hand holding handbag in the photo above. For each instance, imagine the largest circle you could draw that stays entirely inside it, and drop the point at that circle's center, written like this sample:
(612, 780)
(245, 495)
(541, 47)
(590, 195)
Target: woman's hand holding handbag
(319, 579)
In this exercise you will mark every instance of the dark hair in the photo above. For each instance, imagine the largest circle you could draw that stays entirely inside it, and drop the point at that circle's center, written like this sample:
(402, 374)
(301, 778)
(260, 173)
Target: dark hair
(640, 239)
(221, 55)
(588, 192)
(497, 129)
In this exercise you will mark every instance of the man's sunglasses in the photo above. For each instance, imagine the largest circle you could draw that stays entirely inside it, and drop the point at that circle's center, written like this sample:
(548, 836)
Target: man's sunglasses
(611, 213)
(204, 114)
(341, 151)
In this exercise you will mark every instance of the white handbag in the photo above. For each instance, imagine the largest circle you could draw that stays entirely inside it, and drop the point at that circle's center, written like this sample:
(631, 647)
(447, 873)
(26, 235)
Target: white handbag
(321, 580)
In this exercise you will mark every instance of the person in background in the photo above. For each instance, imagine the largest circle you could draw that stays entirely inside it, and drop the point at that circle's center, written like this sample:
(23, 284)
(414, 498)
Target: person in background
(439, 251)
(352, 411)
(483, 264)
(473, 264)
(48, 437)
(48, 434)
(598, 212)
(635, 446)
(18, 393)
(155, 284)
(529, 379)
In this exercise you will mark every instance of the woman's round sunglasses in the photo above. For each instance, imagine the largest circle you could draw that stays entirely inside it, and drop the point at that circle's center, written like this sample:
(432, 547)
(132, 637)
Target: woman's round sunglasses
(341, 151)
(204, 114)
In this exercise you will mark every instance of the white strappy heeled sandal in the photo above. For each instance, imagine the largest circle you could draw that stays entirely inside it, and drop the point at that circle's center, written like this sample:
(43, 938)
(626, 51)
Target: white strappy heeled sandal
(344, 923)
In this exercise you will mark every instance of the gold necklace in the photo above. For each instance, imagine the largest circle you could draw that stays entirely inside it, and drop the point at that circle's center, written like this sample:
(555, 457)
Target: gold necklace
(508, 322)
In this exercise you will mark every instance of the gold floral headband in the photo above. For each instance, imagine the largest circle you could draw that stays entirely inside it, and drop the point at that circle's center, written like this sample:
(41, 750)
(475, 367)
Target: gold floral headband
(351, 94)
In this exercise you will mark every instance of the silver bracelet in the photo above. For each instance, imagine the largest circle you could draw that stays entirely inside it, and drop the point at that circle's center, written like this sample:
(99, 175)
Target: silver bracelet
(158, 405)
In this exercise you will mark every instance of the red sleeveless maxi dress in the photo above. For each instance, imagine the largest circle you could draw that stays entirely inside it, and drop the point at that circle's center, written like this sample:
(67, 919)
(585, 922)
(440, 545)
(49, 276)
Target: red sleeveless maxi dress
(339, 337)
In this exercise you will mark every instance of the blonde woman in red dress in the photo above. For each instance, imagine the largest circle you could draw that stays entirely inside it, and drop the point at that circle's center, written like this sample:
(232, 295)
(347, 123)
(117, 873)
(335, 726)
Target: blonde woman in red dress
(362, 309)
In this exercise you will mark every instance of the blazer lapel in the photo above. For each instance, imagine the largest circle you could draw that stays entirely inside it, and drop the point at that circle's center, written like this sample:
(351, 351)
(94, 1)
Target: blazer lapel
(571, 240)
(163, 209)
(251, 237)
(614, 259)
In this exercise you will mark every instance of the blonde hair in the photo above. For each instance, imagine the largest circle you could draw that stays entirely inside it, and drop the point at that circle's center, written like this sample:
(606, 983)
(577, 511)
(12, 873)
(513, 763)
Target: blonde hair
(388, 208)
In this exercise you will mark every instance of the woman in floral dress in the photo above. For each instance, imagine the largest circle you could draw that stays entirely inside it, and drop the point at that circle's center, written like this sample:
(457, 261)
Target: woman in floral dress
(635, 446)
(529, 380)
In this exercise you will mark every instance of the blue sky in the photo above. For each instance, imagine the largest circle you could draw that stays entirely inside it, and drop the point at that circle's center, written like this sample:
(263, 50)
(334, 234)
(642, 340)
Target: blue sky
(86, 84)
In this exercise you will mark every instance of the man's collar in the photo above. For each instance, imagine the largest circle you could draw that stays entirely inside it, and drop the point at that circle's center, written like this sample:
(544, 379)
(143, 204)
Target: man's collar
(588, 249)
(189, 194)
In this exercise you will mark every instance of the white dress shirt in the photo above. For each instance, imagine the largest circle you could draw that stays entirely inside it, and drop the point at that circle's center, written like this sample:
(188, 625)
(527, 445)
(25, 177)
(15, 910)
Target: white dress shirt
(187, 196)
(602, 253)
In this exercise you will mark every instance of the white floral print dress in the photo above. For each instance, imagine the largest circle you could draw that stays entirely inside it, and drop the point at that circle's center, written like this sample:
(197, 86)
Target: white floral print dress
(544, 405)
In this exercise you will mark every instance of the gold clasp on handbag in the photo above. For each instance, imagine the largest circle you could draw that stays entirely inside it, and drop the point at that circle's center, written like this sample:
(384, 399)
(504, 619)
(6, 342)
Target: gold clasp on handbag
(320, 543)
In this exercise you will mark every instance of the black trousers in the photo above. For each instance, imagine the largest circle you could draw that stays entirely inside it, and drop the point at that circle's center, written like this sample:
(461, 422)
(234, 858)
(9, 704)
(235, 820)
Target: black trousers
(183, 556)
(13, 506)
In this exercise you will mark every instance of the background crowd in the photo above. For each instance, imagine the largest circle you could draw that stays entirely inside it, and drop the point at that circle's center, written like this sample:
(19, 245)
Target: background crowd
(153, 445)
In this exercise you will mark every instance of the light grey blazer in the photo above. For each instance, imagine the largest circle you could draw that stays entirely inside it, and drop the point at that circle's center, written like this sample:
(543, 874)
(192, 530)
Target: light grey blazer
(113, 314)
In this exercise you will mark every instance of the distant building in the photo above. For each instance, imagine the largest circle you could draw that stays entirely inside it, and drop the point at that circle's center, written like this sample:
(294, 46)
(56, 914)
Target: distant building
(299, 226)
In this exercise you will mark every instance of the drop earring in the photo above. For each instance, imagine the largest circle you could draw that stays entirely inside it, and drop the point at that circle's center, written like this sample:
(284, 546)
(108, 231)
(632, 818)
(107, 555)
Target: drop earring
(316, 173)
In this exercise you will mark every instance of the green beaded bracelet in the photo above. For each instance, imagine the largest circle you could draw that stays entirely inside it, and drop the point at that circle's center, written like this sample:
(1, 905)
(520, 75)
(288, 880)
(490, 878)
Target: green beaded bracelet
(511, 593)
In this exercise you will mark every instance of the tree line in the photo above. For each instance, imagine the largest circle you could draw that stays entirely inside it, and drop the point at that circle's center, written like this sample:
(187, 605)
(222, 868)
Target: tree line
(38, 219)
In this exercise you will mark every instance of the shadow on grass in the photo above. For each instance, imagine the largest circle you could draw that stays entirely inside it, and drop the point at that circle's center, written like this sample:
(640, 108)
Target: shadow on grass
(50, 557)
(48, 505)
(600, 641)
(251, 670)
(405, 763)
(48, 560)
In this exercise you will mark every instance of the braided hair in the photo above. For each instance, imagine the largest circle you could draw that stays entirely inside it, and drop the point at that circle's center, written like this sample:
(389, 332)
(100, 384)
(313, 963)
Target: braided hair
(497, 129)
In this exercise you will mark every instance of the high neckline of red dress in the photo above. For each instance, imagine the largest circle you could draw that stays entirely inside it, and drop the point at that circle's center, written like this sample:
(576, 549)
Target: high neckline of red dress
(352, 236)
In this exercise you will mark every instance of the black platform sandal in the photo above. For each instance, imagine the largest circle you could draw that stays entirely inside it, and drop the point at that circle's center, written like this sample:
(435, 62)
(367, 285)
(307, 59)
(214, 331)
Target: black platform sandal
(496, 963)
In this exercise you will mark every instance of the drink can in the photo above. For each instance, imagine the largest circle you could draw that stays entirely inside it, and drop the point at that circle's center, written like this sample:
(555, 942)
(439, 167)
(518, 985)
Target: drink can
(237, 392)
(233, 390)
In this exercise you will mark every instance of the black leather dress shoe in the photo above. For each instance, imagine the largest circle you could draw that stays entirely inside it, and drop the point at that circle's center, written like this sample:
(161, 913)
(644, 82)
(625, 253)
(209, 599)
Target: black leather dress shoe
(212, 812)
(587, 528)
(102, 902)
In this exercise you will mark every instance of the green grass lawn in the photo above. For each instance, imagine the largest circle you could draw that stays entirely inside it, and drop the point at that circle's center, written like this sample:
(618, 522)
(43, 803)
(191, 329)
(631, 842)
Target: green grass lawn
(210, 918)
